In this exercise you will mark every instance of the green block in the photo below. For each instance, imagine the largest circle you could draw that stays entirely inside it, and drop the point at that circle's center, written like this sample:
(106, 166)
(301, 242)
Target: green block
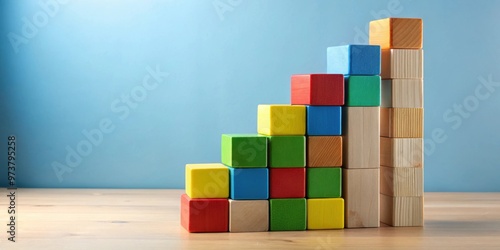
(244, 150)
(362, 91)
(287, 214)
(324, 182)
(287, 151)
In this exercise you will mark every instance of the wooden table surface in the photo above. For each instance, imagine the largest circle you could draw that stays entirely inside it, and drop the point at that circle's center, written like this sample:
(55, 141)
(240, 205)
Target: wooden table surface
(149, 219)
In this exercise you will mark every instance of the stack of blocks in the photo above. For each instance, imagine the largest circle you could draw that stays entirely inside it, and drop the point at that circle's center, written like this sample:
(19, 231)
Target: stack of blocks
(401, 119)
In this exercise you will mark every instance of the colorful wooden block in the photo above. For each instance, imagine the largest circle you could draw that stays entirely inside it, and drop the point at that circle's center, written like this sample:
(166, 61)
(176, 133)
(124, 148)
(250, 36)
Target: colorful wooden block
(362, 91)
(324, 120)
(281, 119)
(354, 60)
(318, 89)
(402, 122)
(207, 180)
(287, 151)
(402, 211)
(397, 33)
(287, 214)
(361, 190)
(244, 150)
(248, 216)
(401, 181)
(402, 63)
(361, 137)
(324, 182)
(204, 215)
(249, 183)
(401, 152)
(324, 151)
(287, 182)
(402, 93)
(325, 213)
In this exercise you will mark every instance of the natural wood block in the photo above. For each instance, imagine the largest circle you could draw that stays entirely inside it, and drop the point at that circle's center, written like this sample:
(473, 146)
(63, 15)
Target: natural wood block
(362, 91)
(402, 211)
(324, 182)
(204, 215)
(318, 89)
(354, 60)
(402, 93)
(324, 120)
(402, 122)
(207, 180)
(281, 119)
(361, 190)
(401, 181)
(287, 214)
(401, 152)
(397, 33)
(287, 182)
(248, 215)
(244, 150)
(324, 151)
(249, 183)
(361, 147)
(402, 63)
(325, 213)
(287, 151)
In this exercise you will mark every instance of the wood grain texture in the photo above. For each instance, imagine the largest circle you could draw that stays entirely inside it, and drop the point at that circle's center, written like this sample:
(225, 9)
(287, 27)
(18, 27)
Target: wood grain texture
(402, 93)
(402, 63)
(397, 33)
(324, 151)
(402, 122)
(401, 152)
(317, 89)
(248, 215)
(361, 137)
(401, 181)
(361, 191)
(402, 211)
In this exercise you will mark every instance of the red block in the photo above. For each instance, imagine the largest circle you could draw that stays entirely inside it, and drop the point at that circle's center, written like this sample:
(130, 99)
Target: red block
(287, 182)
(318, 89)
(204, 215)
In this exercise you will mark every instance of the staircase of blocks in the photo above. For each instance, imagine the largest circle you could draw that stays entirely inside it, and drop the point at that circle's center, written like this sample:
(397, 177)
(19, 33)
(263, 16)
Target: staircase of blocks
(347, 152)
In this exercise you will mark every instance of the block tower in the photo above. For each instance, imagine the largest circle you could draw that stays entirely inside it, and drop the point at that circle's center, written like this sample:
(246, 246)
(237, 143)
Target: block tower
(401, 119)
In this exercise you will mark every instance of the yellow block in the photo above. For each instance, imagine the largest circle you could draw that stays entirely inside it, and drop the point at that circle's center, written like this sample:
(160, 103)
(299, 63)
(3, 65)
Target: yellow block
(207, 180)
(281, 119)
(397, 33)
(327, 213)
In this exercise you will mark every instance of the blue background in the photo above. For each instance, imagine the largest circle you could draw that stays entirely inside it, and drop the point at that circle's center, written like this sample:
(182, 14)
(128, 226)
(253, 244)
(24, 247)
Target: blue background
(222, 64)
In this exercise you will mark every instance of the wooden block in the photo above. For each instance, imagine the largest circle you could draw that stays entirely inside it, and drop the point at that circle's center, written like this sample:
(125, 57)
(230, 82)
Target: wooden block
(401, 181)
(361, 194)
(281, 119)
(397, 33)
(402, 93)
(325, 213)
(402, 63)
(324, 182)
(248, 216)
(318, 89)
(401, 152)
(249, 183)
(324, 120)
(402, 211)
(204, 215)
(287, 182)
(244, 150)
(207, 180)
(402, 122)
(324, 151)
(362, 91)
(287, 214)
(361, 137)
(287, 151)
(354, 60)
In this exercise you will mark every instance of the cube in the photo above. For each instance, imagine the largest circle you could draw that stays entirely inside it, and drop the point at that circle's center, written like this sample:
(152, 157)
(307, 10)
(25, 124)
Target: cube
(401, 181)
(402, 211)
(287, 151)
(281, 119)
(207, 180)
(324, 182)
(244, 150)
(402, 122)
(324, 120)
(401, 152)
(362, 91)
(354, 60)
(249, 183)
(397, 33)
(318, 89)
(325, 213)
(248, 216)
(204, 215)
(324, 151)
(287, 214)
(287, 182)
(402, 64)
(402, 93)
(361, 137)
(361, 192)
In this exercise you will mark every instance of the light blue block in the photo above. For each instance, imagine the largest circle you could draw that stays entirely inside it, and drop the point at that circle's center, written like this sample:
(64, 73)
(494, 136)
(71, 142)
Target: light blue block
(249, 183)
(324, 120)
(354, 60)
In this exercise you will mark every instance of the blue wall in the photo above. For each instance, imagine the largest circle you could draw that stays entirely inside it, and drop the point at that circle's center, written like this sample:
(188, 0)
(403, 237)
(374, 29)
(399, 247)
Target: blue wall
(155, 83)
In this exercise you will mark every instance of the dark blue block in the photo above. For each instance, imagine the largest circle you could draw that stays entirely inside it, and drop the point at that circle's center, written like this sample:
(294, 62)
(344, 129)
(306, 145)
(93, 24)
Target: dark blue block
(324, 120)
(249, 183)
(354, 60)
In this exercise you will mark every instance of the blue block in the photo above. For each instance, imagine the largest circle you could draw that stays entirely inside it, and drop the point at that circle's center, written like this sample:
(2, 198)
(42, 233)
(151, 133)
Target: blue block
(324, 120)
(249, 183)
(354, 60)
